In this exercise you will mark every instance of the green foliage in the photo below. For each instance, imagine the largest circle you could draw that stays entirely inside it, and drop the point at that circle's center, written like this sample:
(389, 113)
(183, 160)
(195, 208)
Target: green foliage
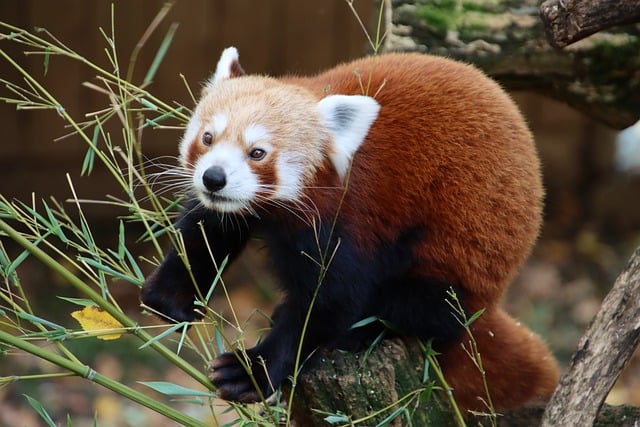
(465, 16)
(40, 410)
(63, 240)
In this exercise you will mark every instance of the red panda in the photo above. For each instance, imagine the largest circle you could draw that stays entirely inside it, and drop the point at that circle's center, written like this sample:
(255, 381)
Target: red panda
(377, 186)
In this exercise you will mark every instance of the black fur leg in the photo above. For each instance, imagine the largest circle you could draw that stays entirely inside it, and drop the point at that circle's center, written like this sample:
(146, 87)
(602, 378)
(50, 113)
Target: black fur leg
(170, 290)
(419, 307)
(169, 294)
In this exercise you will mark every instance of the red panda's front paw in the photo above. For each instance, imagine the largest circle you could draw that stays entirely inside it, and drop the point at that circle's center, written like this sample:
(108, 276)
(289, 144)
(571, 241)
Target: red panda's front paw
(234, 382)
(161, 295)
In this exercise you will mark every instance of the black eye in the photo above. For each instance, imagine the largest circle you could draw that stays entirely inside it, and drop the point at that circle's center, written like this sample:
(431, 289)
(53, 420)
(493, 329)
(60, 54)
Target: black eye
(207, 138)
(257, 154)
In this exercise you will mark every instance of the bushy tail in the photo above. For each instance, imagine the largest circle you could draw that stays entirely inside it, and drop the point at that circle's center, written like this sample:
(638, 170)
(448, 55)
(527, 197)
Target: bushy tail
(519, 367)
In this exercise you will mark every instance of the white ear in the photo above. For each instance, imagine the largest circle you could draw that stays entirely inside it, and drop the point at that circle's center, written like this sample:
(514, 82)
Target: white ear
(349, 119)
(228, 67)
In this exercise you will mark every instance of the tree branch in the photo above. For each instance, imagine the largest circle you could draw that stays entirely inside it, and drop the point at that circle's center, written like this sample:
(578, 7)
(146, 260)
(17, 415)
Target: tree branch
(598, 76)
(353, 387)
(567, 21)
(602, 353)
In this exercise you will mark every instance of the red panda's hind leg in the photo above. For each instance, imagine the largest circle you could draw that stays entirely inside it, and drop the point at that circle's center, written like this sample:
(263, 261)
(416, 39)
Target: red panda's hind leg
(519, 367)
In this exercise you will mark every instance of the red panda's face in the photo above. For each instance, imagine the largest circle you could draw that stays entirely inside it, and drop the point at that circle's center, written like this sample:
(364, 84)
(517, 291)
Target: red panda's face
(253, 142)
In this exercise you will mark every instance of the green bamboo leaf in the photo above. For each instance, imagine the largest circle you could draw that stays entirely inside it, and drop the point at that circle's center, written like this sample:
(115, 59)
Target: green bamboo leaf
(40, 410)
(169, 331)
(89, 158)
(23, 255)
(38, 217)
(162, 51)
(170, 389)
(135, 267)
(121, 242)
(216, 279)
(391, 417)
(183, 337)
(364, 322)
(218, 339)
(427, 394)
(56, 227)
(55, 335)
(111, 272)
(148, 104)
(10, 269)
(83, 302)
(473, 318)
(425, 370)
(39, 320)
(155, 121)
(86, 234)
(335, 419)
(373, 345)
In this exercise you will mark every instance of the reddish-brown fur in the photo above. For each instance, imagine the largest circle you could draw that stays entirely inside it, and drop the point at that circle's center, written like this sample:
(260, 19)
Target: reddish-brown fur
(448, 167)
(449, 144)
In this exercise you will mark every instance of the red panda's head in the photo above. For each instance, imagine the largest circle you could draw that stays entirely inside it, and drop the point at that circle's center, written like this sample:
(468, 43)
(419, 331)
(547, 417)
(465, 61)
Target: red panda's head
(253, 140)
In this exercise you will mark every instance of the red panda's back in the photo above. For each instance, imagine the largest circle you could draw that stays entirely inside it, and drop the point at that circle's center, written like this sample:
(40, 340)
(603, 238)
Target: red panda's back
(449, 154)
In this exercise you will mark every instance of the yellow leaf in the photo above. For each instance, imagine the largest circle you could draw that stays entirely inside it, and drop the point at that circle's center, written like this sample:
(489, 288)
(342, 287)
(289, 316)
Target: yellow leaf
(93, 318)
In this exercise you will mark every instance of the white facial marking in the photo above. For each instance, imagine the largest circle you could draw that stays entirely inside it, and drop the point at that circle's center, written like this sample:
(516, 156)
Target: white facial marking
(255, 133)
(220, 122)
(190, 134)
(241, 186)
(289, 178)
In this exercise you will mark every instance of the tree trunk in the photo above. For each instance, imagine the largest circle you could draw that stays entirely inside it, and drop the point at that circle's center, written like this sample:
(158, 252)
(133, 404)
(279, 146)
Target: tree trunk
(358, 386)
(351, 387)
(598, 76)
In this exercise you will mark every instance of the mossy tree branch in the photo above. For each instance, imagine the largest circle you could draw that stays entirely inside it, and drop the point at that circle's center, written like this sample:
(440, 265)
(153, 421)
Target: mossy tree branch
(567, 21)
(506, 38)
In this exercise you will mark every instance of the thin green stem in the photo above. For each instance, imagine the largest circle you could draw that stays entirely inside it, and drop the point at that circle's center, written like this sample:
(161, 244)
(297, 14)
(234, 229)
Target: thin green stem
(15, 378)
(103, 303)
(435, 366)
(52, 49)
(403, 402)
(87, 372)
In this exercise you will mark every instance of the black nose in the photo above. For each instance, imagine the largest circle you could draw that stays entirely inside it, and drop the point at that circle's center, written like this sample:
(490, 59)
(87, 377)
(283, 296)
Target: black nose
(214, 178)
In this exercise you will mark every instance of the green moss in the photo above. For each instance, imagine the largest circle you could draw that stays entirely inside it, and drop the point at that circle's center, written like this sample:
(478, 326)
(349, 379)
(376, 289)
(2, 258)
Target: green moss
(440, 16)
(614, 53)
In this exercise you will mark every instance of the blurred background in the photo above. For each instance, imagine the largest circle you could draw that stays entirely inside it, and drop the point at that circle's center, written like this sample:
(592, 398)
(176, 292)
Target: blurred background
(592, 215)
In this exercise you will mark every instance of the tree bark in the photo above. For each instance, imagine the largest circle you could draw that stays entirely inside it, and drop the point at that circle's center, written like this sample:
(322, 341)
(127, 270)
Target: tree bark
(567, 21)
(602, 353)
(351, 387)
(359, 385)
(506, 38)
